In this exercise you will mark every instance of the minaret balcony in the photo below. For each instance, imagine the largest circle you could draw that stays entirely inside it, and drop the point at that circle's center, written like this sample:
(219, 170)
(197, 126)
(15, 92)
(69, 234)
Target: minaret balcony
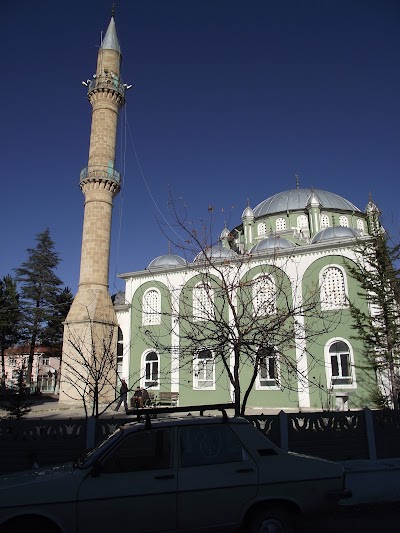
(106, 83)
(100, 172)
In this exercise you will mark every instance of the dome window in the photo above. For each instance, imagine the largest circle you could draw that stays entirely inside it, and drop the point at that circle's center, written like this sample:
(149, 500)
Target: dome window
(360, 225)
(280, 224)
(262, 228)
(324, 221)
(302, 222)
(343, 221)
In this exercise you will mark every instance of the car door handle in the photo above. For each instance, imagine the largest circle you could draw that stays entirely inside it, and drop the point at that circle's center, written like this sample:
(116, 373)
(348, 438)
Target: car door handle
(244, 470)
(167, 476)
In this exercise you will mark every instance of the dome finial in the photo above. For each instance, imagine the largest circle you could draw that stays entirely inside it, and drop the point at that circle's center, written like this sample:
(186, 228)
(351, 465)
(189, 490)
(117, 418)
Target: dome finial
(297, 181)
(113, 11)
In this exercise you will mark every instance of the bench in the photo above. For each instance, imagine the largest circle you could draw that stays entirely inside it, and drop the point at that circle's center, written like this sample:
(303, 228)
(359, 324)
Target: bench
(168, 398)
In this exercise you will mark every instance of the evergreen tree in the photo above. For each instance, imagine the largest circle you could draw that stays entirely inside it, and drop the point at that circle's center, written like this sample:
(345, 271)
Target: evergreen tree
(53, 333)
(9, 317)
(378, 323)
(39, 287)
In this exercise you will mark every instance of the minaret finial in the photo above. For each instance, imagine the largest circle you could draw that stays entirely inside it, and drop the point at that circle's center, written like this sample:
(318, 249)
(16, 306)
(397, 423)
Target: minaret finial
(297, 181)
(113, 11)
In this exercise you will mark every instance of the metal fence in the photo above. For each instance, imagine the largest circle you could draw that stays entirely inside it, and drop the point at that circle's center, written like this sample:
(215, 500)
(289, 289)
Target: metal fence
(337, 436)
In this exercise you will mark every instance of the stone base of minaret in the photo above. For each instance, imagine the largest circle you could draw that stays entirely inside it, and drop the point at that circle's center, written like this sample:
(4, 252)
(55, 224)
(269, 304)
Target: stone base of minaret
(89, 358)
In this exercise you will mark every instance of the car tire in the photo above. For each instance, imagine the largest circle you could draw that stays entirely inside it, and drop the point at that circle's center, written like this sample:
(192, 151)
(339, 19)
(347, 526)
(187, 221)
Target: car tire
(271, 519)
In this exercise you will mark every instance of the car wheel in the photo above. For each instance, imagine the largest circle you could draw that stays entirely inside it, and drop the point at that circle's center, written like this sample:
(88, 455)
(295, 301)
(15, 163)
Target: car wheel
(271, 519)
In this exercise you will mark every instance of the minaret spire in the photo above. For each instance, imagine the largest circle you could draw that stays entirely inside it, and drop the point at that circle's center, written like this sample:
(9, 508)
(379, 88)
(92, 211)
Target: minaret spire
(92, 317)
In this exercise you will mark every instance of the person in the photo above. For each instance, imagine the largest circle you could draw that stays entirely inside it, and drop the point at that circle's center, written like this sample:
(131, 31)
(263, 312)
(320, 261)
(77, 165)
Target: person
(138, 397)
(145, 398)
(123, 395)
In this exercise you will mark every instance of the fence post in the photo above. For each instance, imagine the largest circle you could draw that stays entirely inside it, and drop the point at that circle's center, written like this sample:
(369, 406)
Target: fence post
(283, 431)
(369, 424)
(90, 432)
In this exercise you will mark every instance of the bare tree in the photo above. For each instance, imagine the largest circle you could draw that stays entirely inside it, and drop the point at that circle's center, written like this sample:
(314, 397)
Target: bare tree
(245, 311)
(89, 369)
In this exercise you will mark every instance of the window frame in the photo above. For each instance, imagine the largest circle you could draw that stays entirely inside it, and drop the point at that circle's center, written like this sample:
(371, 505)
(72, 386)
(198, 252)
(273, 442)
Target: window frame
(352, 384)
(196, 360)
(259, 379)
(331, 306)
(147, 384)
(151, 318)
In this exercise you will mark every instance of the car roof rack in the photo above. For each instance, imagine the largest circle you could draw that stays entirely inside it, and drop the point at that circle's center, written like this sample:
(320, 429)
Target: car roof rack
(152, 412)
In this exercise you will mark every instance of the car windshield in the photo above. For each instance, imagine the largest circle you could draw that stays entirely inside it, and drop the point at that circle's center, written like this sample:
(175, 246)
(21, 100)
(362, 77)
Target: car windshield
(88, 458)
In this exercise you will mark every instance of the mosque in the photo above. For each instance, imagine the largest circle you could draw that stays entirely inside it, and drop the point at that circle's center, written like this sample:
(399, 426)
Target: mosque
(266, 306)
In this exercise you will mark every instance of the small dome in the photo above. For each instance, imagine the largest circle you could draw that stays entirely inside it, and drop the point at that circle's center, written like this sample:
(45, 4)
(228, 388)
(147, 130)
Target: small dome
(335, 233)
(248, 213)
(118, 298)
(216, 252)
(166, 261)
(313, 200)
(272, 243)
(225, 234)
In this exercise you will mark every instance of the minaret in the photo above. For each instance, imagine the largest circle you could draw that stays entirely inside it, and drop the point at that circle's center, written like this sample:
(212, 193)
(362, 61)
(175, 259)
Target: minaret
(92, 319)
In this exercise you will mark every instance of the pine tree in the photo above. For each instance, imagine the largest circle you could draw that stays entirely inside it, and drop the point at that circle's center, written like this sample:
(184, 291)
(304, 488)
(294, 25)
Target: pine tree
(39, 287)
(53, 333)
(9, 317)
(378, 323)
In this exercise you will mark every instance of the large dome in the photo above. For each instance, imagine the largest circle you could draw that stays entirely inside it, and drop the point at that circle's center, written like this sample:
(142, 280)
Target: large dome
(296, 199)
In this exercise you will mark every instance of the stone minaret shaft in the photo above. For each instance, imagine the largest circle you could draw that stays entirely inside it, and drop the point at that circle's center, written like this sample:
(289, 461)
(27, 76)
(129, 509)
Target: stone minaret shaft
(92, 309)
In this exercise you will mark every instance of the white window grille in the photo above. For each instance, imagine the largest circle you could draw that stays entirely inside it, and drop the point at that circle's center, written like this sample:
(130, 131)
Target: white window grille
(340, 364)
(280, 224)
(360, 225)
(302, 222)
(151, 370)
(324, 221)
(343, 221)
(333, 289)
(268, 373)
(204, 370)
(151, 308)
(203, 302)
(262, 228)
(264, 295)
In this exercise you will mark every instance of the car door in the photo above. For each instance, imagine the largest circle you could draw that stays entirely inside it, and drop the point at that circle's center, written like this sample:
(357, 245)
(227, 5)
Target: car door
(216, 477)
(134, 486)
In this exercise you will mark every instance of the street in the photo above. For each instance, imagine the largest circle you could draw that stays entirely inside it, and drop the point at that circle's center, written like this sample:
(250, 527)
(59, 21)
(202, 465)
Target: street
(384, 518)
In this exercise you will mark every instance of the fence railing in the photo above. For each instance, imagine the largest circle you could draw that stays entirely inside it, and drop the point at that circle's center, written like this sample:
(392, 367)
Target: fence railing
(338, 436)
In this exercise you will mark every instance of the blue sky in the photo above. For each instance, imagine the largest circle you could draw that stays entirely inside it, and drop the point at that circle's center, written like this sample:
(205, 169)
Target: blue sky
(230, 99)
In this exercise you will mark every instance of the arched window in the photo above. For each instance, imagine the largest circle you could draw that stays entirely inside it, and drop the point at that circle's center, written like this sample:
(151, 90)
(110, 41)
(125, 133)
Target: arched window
(151, 307)
(268, 372)
(339, 364)
(333, 288)
(324, 221)
(203, 302)
(204, 370)
(151, 371)
(280, 224)
(302, 222)
(360, 225)
(343, 221)
(261, 228)
(264, 295)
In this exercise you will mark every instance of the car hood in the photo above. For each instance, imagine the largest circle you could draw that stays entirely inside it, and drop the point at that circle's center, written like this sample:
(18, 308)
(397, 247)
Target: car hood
(58, 483)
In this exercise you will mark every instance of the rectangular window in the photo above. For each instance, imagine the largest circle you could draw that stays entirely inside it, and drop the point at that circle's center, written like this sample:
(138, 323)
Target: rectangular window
(203, 370)
(45, 361)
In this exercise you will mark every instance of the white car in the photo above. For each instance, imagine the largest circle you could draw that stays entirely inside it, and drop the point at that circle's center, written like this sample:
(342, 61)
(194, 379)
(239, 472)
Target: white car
(194, 473)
